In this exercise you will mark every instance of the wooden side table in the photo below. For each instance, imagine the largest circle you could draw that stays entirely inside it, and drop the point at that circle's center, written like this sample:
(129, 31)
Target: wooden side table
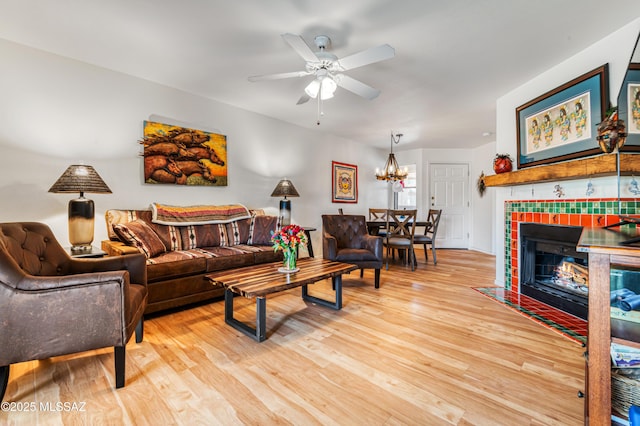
(93, 253)
(307, 232)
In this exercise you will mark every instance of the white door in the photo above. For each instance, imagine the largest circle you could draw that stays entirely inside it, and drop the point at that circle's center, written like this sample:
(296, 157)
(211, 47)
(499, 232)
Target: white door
(449, 191)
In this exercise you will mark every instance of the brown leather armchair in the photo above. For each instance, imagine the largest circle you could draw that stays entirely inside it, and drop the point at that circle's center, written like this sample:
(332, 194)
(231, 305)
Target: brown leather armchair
(52, 304)
(345, 239)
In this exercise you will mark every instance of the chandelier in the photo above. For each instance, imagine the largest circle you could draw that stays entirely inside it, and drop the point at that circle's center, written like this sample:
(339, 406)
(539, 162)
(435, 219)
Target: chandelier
(391, 172)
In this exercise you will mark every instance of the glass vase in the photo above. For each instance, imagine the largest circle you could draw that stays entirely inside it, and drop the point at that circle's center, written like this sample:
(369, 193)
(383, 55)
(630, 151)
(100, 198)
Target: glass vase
(290, 259)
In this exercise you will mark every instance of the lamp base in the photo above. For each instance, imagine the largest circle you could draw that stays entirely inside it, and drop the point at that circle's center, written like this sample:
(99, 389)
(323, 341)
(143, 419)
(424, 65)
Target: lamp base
(81, 219)
(285, 212)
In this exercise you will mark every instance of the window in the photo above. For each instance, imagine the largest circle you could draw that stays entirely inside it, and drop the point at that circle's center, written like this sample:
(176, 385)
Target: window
(407, 198)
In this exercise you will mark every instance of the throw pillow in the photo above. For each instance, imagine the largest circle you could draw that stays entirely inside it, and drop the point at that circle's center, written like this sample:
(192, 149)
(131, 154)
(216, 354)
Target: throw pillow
(140, 235)
(261, 229)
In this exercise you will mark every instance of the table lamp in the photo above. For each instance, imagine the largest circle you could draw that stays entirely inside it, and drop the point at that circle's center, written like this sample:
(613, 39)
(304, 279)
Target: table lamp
(80, 178)
(285, 189)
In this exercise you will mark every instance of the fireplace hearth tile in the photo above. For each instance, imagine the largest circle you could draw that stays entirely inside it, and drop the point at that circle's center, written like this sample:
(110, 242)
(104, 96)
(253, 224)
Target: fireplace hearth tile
(567, 325)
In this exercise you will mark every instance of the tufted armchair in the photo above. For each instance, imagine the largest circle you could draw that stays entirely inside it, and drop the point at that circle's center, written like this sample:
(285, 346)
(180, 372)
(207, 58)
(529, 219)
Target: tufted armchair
(345, 239)
(52, 304)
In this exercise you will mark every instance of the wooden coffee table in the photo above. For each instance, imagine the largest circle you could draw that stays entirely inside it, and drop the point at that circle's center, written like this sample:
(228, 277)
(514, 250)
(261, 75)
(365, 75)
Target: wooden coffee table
(261, 280)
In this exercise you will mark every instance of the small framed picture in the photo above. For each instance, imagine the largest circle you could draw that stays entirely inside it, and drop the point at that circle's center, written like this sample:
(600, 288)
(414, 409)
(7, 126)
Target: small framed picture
(344, 183)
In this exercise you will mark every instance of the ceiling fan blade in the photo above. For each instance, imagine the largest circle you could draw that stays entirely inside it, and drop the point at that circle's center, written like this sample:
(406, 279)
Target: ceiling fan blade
(302, 48)
(355, 86)
(279, 76)
(366, 57)
(303, 99)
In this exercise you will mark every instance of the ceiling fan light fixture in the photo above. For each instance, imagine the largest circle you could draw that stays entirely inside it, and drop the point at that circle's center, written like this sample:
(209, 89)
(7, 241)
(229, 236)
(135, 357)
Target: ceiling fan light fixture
(313, 88)
(325, 86)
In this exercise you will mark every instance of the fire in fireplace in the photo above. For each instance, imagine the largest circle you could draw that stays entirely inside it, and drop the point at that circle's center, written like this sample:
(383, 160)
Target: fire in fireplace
(551, 270)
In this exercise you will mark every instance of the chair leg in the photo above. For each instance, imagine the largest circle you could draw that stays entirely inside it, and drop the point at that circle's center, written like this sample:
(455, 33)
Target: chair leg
(4, 380)
(411, 256)
(433, 250)
(361, 272)
(377, 279)
(140, 330)
(387, 260)
(119, 355)
(426, 253)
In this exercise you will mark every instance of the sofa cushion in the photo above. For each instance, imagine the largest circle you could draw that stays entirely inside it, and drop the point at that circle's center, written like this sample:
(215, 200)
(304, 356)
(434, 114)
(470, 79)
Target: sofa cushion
(138, 234)
(238, 231)
(261, 228)
(175, 264)
(197, 215)
(195, 236)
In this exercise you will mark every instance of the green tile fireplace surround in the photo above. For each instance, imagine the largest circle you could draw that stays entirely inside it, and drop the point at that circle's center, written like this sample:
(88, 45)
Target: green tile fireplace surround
(595, 212)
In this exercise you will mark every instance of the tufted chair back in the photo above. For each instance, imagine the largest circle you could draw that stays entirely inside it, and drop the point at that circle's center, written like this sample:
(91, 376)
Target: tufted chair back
(345, 239)
(34, 248)
(52, 304)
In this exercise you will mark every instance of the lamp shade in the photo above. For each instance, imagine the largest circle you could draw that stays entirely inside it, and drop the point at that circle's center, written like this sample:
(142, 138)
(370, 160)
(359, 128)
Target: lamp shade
(80, 178)
(285, 189)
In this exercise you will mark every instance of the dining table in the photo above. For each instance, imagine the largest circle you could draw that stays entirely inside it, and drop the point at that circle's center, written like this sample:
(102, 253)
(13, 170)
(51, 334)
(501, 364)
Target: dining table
(374, 226)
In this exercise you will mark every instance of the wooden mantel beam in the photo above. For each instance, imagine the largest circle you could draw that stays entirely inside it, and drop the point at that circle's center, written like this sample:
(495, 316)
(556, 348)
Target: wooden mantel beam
(601, 165)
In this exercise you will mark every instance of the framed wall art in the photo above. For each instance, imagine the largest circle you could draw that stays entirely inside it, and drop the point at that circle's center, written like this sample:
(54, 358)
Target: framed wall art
(629, 107)
(561, 124)
(182, 156)
(344, 183)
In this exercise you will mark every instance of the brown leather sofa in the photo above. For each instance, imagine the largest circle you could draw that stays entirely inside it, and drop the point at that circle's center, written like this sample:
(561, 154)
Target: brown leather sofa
(52, 304)
(179, 257)
(345, 239)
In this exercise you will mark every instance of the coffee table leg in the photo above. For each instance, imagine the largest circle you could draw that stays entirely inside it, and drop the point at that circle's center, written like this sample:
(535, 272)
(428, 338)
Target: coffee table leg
(258, 333)
(337, 286)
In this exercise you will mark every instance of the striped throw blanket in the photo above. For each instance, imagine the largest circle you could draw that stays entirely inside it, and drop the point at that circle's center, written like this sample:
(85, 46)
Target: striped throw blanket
(197, 215)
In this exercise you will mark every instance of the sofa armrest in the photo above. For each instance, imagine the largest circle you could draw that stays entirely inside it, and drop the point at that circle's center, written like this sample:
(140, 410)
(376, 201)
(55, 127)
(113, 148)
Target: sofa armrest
(117, 248)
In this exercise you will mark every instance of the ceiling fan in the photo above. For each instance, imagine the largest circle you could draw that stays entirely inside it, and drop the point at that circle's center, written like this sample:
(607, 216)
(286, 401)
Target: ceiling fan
(328, 69)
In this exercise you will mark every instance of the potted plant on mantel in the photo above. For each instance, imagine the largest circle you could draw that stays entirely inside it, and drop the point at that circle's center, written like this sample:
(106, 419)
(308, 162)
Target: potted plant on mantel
(502, 163)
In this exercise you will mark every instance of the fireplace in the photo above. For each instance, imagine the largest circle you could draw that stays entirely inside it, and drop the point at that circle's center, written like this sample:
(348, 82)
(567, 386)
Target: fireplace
(551, 270)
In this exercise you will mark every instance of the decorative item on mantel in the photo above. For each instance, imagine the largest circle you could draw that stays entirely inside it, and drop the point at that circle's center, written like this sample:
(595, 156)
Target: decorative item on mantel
(502, 163)
(611, 133)
(288, 239)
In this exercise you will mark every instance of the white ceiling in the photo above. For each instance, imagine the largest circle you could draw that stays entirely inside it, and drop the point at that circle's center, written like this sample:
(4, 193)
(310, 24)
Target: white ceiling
(454, 58)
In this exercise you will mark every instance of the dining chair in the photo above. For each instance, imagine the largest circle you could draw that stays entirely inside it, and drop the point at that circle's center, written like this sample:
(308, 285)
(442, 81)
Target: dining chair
(429, 236)
(401, 227)
(379, 215)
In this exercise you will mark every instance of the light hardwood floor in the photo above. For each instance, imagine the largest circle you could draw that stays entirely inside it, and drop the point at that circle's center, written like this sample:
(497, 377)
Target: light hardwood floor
(423, 349)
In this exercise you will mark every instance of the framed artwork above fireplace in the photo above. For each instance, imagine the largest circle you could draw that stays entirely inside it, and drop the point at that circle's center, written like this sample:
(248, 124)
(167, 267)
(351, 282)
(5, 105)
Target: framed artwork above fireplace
(561, 124)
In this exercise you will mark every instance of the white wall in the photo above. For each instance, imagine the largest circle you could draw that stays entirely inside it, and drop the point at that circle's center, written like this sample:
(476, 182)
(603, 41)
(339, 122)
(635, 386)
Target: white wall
(615, 50)
(483, 235)
(56, 112)
(481, 208)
